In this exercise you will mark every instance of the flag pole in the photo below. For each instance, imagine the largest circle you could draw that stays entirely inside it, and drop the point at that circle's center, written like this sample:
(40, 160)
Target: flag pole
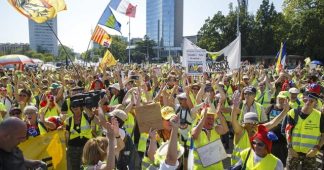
(129, 61)
(67, 54)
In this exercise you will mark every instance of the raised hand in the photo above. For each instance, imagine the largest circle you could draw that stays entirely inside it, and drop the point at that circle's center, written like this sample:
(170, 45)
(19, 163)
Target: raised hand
(175, 121)
(236, 99)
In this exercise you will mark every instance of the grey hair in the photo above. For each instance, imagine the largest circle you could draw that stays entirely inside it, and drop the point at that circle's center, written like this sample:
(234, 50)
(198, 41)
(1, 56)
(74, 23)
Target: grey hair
(30, 107)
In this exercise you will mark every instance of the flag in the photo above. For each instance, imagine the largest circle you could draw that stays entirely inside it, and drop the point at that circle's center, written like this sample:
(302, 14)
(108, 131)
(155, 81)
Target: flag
(38, 10)
(124, 7)
(232, 52)
(307, 61)
(49, 147)
(101, 37)
(107, 61)
(109, 20)
(281, 58)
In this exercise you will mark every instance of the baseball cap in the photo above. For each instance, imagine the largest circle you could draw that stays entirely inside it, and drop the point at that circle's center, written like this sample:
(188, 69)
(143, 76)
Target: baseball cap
(118, 113)
(182, 96)
(293, 90)
(250, 89)
(116, 86)
(283, 94)
(167, 112)
(55, 86)
(245, 76)
(250, 117)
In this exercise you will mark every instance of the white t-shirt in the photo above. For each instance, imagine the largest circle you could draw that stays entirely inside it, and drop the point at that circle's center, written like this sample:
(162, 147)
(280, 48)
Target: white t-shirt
(164, 166)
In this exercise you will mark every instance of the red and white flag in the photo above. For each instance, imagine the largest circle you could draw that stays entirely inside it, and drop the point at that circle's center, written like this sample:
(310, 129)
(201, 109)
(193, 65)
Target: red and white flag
(124, 7)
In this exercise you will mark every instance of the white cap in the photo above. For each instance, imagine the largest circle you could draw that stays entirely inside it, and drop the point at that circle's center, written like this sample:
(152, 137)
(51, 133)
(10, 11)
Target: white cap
(293, 90)
(116, 86)
(182, 96)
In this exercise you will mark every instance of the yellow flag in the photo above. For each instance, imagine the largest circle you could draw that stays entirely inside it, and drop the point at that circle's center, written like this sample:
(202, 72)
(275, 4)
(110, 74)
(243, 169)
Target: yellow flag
(107, 61)
(307, 61)
(49, 147)
(38, 10)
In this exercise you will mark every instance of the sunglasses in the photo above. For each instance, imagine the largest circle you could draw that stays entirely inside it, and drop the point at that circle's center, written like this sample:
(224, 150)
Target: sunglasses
(259, 144)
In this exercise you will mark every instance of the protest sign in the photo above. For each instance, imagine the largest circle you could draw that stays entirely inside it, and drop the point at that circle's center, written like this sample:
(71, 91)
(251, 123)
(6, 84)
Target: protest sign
(149, 116)
(212, 153)
(195, 61)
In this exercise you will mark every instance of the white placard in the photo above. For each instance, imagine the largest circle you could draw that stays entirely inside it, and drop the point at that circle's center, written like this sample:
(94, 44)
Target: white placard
(195, 61)
(212, 153)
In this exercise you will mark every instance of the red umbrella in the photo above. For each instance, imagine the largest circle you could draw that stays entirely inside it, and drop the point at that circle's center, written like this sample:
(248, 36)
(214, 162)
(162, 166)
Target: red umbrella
(15, 59)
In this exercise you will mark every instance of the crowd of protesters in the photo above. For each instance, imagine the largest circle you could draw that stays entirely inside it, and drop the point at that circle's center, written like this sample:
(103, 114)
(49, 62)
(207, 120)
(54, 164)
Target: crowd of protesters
(272, 120)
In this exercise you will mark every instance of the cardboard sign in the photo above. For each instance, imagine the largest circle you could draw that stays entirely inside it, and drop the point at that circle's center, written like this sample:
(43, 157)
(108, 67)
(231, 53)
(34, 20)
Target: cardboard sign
(149, 116)
(212, 153)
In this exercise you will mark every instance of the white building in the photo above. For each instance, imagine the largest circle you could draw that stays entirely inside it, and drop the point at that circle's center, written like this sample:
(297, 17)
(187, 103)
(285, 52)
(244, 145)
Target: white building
(41, 38)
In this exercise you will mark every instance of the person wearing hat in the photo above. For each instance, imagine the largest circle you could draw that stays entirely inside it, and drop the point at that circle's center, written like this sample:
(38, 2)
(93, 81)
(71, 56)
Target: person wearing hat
(315, 89)
(5, 99)
(206, 132)
(246, 80)
(243, 131)
(294, 102)
(259, 156)
(158, 137)
(117, 91)
(127, 158)
(250, 105)
(304, 134)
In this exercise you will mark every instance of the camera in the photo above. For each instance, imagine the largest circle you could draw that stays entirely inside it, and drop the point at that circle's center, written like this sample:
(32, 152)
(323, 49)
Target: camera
(87, 99)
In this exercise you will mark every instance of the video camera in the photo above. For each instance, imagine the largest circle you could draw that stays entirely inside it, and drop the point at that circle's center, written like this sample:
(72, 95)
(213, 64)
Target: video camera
(87, 99)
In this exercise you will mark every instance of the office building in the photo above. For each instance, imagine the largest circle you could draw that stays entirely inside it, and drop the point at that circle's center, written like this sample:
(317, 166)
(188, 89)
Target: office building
(164, 22)
(41, 38)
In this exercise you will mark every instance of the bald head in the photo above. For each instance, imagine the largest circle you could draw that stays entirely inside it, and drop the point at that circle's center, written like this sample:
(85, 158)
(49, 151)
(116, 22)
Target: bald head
(12, 124)
(12, 132)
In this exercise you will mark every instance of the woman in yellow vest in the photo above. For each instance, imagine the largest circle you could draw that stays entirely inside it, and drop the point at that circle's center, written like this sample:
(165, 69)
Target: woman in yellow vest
(259, 156)
(205, 133)
(242, 132)
(78, 132)
(36, 126)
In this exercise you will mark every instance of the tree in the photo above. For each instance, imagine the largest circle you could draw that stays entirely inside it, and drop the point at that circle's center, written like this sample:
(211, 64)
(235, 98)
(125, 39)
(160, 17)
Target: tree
(62, 54)
(143, 50)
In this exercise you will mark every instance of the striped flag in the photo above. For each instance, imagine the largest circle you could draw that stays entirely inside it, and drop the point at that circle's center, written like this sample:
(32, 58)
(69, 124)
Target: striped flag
(101, 37)
(124, 7)
(109, 20)
(281, 58)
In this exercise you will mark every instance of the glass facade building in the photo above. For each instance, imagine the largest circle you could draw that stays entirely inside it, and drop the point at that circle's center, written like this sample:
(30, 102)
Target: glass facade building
(164, 22)
(41, 38)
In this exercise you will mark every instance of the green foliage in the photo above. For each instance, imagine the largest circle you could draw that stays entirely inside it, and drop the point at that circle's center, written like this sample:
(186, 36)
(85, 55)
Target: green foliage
(301, 24)
(143, 50)
(62, 54)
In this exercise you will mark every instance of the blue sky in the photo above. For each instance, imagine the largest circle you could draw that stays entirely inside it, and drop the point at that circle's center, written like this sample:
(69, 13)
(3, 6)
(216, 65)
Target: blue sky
(75, 24)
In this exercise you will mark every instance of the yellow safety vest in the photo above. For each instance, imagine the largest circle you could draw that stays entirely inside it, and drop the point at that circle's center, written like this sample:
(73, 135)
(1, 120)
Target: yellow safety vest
(227, 115)
(85, 129)
(258, 108)
(50, 112)
(266, 98)
(243, 143)
(228, 90)
(68, 103)
(142, 142)
(42, 130)
(306, 133)
(113, 101)
(129, 124)
(192, 98)
(202, 140)
(295, 105)
(269, 162)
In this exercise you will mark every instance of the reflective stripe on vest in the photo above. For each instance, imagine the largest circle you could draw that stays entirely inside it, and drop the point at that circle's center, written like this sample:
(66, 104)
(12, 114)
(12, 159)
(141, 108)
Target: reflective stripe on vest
(85, 129)
(258, 108)
(243, 143)
(269, 162)
(142, 142)
(306, 133)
